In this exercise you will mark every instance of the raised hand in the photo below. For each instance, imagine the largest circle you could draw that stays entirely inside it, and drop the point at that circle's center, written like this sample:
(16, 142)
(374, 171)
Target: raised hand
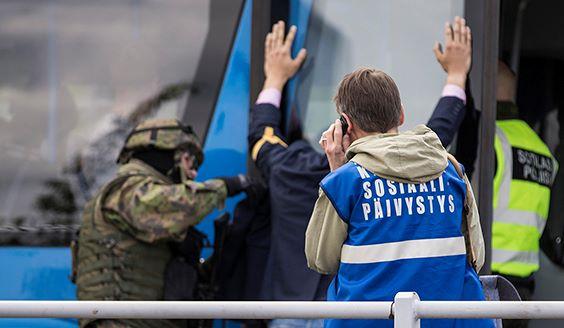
(279, 66)
(456, 57)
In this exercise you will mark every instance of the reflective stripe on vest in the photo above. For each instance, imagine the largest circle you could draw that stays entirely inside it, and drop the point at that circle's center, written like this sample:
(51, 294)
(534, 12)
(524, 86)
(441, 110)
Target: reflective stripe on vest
(525, 171)
(522, 257)
(400, 235)
(410, 249)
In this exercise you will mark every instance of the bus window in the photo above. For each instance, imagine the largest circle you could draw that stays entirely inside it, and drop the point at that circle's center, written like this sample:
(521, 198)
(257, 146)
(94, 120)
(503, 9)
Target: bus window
(75, 77)
(396, 36)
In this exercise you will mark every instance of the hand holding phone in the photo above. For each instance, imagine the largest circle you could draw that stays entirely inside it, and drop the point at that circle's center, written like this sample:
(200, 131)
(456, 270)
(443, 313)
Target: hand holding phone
(344, 124)
(335, 145)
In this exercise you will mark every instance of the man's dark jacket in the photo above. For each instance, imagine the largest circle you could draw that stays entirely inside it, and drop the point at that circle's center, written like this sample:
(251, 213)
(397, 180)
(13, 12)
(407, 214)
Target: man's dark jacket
(293, 173)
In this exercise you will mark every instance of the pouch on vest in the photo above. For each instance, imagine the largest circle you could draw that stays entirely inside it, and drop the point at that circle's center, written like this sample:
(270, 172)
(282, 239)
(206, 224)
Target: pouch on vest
(191, 247)
(208, 283)
(181, 274)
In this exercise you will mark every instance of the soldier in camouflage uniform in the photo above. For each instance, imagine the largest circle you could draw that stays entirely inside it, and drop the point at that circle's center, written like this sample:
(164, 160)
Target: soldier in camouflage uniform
(123, 246)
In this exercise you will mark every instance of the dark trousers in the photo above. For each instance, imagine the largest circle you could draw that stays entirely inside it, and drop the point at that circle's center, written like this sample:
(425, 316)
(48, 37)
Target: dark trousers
(525, 287)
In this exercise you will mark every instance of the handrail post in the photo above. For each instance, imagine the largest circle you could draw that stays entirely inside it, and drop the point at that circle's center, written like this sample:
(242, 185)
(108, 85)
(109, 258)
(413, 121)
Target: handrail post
(405, 310)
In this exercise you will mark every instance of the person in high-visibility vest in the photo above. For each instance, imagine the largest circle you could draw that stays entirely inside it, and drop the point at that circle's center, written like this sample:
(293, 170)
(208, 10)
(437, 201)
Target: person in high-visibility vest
(525, 171)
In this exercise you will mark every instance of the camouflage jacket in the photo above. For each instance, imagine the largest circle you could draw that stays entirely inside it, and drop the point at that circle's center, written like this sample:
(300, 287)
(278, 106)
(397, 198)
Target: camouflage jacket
(151, 208)
(123, 243)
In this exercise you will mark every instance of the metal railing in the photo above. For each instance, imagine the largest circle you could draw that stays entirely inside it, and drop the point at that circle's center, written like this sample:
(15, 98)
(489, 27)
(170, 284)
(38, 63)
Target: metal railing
(406, 310)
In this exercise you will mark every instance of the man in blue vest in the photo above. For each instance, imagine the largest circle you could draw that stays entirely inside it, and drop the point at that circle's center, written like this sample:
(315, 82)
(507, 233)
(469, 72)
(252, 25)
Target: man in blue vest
(396, 213)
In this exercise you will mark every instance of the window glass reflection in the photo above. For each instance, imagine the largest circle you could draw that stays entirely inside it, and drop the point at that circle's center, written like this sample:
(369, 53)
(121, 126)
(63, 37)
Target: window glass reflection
(396, 36)
(75, 76)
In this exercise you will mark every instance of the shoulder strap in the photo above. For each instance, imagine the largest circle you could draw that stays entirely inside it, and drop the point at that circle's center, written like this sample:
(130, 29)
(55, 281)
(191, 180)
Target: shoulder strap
(465, 226)
(457, 167)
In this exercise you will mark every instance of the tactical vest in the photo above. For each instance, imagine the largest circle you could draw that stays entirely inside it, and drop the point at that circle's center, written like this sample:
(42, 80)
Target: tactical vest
(401, 237)
(113, 265)
(525, 173)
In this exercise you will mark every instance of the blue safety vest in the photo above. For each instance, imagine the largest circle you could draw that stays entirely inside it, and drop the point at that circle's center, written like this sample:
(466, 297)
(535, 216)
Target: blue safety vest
(401, 237)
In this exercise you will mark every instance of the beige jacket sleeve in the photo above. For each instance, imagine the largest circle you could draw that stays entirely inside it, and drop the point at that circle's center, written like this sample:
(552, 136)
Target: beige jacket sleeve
(474, 230)
(325, 235)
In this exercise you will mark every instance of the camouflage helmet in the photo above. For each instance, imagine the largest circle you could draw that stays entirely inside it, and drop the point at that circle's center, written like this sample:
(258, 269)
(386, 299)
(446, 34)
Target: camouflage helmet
(161, 134)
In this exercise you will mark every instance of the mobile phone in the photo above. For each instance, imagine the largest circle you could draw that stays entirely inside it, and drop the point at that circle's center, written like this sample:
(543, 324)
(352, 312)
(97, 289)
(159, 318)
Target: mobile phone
(344, 124)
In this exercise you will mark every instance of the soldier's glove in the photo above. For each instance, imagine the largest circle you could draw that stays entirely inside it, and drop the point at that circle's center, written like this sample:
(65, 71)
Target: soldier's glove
(254, 188)
(235, 184)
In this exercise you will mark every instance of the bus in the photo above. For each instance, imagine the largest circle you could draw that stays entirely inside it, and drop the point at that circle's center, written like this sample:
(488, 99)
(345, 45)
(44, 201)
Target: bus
(76, 76)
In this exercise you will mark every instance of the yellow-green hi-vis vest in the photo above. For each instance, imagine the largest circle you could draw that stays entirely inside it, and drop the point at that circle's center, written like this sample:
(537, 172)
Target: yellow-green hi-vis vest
(525, 172)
